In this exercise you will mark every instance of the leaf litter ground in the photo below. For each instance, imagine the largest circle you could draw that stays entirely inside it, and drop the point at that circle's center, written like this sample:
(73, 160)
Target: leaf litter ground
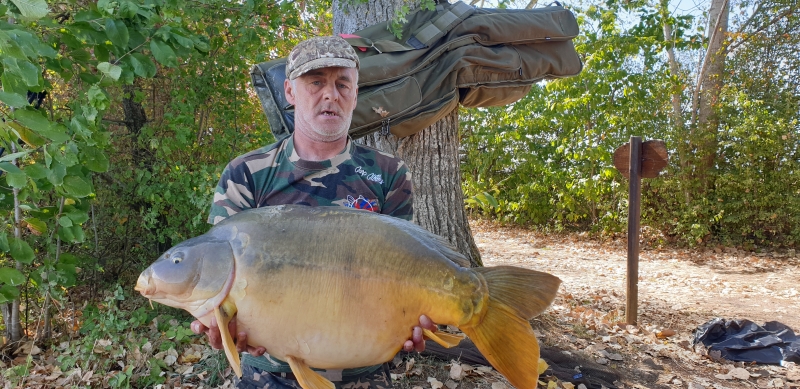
(679, 289)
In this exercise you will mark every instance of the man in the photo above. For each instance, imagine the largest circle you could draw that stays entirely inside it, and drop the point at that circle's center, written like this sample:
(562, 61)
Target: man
(318, 166)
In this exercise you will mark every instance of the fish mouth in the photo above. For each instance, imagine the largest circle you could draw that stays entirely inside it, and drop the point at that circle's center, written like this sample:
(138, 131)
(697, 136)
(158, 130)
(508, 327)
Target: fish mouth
(143, 284)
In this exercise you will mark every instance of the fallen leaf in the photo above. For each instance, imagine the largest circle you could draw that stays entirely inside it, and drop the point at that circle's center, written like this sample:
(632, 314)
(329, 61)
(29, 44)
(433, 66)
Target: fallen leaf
(499, 385)
(542, 366)
(450, 384)
(435, 384)
(456, 372)
(568, 385)
(739, 373)
(666, 333)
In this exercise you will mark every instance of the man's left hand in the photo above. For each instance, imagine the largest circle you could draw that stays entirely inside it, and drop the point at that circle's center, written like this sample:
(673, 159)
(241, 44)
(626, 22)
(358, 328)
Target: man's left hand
(417, 341)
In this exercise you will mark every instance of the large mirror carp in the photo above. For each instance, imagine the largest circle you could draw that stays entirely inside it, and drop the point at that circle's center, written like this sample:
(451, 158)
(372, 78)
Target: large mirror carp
(335, 288)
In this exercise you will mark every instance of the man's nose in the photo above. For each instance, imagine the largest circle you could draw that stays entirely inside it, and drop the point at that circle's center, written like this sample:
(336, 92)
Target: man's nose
(330, 92)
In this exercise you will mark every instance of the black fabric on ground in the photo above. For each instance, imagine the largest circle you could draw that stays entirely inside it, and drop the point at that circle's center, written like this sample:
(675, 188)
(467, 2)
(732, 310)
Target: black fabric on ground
(562, 365)
(745, 341)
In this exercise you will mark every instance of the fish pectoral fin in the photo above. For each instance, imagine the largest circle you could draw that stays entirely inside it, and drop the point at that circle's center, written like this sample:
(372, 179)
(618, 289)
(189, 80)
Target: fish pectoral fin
(443, 338)
(223, 318)
(308, 379)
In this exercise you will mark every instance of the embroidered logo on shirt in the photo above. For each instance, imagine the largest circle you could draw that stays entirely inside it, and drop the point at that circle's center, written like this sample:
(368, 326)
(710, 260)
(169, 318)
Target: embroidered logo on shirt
(370, 176)
(361, 203)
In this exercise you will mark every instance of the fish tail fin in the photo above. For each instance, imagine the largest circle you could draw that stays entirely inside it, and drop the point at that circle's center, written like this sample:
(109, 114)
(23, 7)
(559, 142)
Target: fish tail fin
(502, 332)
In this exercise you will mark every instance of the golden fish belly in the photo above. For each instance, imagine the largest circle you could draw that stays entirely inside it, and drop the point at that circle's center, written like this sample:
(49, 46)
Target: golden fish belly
(344, 318)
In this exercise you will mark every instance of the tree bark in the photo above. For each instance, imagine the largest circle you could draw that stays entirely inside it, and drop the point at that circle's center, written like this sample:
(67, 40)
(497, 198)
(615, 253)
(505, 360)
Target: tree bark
(431, 154)
(710, 83)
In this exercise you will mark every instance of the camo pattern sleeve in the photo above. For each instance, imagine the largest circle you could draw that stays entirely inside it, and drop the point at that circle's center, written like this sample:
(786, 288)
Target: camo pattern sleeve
(359, 177)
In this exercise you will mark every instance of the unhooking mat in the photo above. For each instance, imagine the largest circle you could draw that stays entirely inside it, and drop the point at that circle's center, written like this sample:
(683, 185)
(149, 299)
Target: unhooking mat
(745, 341)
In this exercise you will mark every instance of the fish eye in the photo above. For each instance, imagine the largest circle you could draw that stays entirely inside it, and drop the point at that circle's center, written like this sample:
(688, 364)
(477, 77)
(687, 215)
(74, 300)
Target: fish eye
(177, 260)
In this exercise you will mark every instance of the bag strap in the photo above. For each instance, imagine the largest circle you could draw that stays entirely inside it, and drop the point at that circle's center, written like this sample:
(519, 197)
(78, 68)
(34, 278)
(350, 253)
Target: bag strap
(421, 37)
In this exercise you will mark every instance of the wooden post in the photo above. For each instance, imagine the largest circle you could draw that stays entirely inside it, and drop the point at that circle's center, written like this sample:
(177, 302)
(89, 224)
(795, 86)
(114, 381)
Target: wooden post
(637, 160)
(634, 211)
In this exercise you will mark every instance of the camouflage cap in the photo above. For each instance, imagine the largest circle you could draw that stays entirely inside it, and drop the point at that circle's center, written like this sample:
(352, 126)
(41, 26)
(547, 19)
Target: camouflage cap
(320, 52)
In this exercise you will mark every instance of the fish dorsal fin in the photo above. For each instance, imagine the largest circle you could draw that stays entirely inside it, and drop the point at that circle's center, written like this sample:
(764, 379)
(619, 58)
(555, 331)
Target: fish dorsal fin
(308, 379)
(224, 313)
(442, 338)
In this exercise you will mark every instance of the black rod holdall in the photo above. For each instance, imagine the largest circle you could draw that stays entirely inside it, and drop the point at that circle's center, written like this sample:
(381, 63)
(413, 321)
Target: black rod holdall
(454, 54)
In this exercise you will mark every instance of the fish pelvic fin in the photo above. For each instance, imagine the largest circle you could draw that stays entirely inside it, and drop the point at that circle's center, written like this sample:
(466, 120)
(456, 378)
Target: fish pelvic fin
(224, 313)
(308, 379)
(442, 338)
(501, 331)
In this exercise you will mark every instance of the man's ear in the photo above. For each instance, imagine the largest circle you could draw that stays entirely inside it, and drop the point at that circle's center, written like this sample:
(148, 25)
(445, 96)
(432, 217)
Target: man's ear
(288, 91)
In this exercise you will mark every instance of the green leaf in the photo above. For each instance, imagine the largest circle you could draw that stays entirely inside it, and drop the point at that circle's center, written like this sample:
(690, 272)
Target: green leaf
(201, 44)
(9, 46)
(13, 99)
(182, 40)
(27, 71)
(117, 32)
(34, 119)
(97, 98)
(65, 221)
(110, 70)
(56, 173)
(9, 167)
(77, 186)
(4, 242)
(147, 64)
(8, 293)
(163, 53)
(37, 225)
(78, 216)
(66, 234)
(17, 180)
(94, 159)
(26, 134)
(137, 66)
(101, 52)
(11, 276)
(12, 156)
(20, 250)
(36, 171)
(32, 9)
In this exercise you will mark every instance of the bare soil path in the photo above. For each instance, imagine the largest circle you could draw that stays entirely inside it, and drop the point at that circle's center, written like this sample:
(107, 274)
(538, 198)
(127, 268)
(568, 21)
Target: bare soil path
(679, 289)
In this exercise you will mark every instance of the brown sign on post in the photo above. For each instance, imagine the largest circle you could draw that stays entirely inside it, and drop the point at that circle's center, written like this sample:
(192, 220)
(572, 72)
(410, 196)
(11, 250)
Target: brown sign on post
(639, 160)
(654, 158)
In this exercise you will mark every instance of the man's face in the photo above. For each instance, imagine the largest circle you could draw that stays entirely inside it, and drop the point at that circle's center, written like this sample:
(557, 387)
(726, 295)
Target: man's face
(324, 100)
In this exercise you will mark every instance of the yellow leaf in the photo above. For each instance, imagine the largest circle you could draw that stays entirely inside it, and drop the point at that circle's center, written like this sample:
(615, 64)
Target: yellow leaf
(542, 366)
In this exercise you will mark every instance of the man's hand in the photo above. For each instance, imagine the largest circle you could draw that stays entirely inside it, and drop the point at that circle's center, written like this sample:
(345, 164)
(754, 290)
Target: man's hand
(215, 339)
(417, 342)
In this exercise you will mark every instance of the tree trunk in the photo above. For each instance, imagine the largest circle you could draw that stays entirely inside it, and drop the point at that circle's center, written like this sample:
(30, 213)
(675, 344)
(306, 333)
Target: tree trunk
(431, 154)
(710, 82)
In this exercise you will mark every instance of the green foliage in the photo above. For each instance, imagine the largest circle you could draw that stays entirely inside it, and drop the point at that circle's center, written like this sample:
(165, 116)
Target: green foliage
(546, 160)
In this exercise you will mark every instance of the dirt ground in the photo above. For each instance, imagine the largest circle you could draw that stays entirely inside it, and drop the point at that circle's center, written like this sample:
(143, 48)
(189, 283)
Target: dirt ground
(679, 289)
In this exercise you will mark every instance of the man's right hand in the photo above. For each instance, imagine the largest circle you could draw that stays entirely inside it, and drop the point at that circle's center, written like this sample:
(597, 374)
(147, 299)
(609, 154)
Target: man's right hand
(215, 338)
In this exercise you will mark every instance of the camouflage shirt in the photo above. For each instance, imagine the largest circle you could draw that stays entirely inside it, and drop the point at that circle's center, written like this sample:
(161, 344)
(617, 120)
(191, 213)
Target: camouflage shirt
(359, 177)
